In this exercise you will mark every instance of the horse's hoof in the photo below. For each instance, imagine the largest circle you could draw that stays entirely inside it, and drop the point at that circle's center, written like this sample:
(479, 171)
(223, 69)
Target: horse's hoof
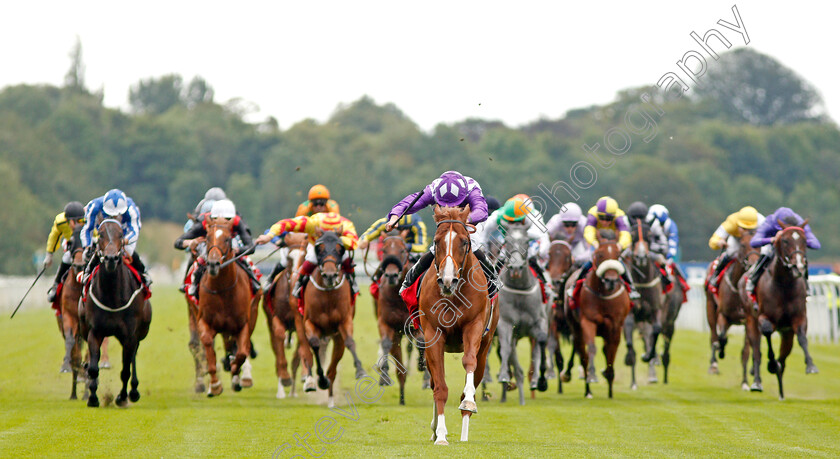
(309, 384)
(93, 402)
(634, 386)
(215, 389)
(134, 395)
(653, 380)
(781, 398)
(713, 369)
(247, 382)
(756, 387)
(426, 385)
(542, 384)
(485, 396)
(323, 383)
(384, 380)
(236, 384)
(565, 377)
(512, 385)
(745, 387)
(629, 359)
(121, 400)
(773, 366)
(550, 374)
(442, 442)
(592, 379)
(65, 368)
(286, 382)
(646, 358)
(226, 362)
(468, 406)
(360, 373)
(811, 369)
(589, 396)
(200, 388)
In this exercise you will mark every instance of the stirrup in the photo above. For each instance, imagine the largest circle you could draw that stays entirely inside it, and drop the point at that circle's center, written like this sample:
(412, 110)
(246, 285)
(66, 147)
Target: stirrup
(51, 293)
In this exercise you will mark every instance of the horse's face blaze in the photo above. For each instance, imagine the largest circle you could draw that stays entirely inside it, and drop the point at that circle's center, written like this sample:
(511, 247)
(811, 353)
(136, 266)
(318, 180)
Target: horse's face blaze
(219, 240)
(452, 246)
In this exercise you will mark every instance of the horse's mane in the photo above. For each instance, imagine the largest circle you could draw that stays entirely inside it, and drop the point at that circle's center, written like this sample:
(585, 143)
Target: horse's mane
(607, 234)
(447, 213)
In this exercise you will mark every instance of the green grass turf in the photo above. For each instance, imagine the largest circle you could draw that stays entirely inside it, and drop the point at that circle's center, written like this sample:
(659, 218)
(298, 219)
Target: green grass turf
(695, 415)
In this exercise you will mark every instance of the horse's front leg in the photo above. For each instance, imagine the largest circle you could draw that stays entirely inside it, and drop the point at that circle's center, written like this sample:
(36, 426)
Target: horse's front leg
(630, 357)
(801, 328)
(434, 362)
(505, 333)
(540, 349)
(94, 343)
(243, 349)
(196, 349)
(346, 331)
(313, 334)
(472, 339)
(207, 336)
(332, 370)
(129, 347)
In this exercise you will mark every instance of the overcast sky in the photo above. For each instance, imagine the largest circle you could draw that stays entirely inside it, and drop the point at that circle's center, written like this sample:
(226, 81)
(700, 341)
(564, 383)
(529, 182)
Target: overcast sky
(437, 61)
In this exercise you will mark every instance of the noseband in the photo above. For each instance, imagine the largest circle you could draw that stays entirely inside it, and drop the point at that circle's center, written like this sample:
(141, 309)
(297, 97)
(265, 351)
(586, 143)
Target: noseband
(785, 258)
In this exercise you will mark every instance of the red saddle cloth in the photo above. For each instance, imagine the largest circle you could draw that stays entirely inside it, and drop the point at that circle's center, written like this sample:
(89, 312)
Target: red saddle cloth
(542, 284)
(714, 290)
(682, 282)
(374, 291)
(57, 303)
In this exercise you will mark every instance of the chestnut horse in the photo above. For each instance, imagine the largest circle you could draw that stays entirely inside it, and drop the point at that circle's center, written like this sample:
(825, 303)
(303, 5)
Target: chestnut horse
(328, 309)
(781, 292)
(648, 314)
(115, 306)
(560, 266)
(392, 314)
(283, 318)
(455, 315)
(728, 308)
(225, 304)
(71, 291)
(603, 307)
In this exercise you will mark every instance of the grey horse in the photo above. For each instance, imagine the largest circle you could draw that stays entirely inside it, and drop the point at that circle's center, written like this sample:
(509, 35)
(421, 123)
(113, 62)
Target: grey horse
(522, 313)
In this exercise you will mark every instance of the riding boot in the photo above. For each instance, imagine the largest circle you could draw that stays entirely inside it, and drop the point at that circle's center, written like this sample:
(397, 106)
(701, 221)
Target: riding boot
(278, 268)
(199, 271)
(91, 262)
(303, 277)
(634, 294)
(489, 273)
(62, 270)
(348, 267)
(183, 287)
(756, 272)
(724, 260)
(417, 270)
(137, 263)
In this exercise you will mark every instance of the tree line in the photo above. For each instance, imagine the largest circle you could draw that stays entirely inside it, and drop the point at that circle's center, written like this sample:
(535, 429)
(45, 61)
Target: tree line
(755, 134)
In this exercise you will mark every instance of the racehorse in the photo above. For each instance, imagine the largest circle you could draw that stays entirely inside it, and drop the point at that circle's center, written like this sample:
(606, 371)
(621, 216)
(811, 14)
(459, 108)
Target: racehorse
(115, 305)
(560, 266)
(728, 308)
(225, 304)
(648, 313)
(781, 292)
(284, 319)
(393, 316)
(601, 310)
(328, 309)
(71, 291)
(455, 315)
(522, 313)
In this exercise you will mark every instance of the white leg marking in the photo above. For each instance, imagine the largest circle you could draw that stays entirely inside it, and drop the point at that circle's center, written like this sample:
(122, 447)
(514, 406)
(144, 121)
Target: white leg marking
(331, 402)
(465, 427)
(441, 431)
(281, 391)
(469, 388)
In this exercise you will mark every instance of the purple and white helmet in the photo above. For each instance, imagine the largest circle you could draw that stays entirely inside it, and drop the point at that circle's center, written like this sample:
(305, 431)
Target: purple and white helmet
(450, 190)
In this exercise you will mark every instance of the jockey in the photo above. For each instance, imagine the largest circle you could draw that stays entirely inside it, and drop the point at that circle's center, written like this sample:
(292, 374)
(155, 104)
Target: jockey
(519, 211)
(210, 196)
(317, 201)
(567, 225)
(326, 221)
(727, 236)
(637, 214)
(451, 189)
(660, 223)
(416, 241)
(63, 226)
(606, 214)
(223, 208)
(492, 204)
(114, 205)
(765, 236)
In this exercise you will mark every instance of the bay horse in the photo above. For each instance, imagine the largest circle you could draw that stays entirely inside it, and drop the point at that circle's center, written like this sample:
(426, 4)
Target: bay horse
(71, 291)
(284, 319)
(560, 266)
(393, 315)
(521, 314)
(225, 304)
(455, 315)
(329, 310)
(603, 306)
(728, 308)
(648, 313)
(781, 292)
(115, 305)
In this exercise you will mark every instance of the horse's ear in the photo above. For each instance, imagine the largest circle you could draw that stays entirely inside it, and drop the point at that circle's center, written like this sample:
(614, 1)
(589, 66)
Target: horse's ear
(438, 212)
(782, 224)
(804, 222)
(404, 233)
(340, 230)
(465, 214)
(318, 232)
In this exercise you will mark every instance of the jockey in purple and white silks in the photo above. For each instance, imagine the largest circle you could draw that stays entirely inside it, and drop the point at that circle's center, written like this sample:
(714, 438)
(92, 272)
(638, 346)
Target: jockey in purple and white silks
(115, 205)
(765, 236)
(451, 189)
(567, 225)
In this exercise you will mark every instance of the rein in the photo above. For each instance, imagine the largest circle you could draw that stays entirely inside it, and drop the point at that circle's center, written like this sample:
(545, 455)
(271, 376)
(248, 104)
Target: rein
(785, 257)
(611, 296)
(449, 255)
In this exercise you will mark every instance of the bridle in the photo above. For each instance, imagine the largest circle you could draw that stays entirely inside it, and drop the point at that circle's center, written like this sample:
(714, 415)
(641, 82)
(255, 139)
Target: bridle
(216, 245)
(448, 254)
(785, 257)
(103, 229)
